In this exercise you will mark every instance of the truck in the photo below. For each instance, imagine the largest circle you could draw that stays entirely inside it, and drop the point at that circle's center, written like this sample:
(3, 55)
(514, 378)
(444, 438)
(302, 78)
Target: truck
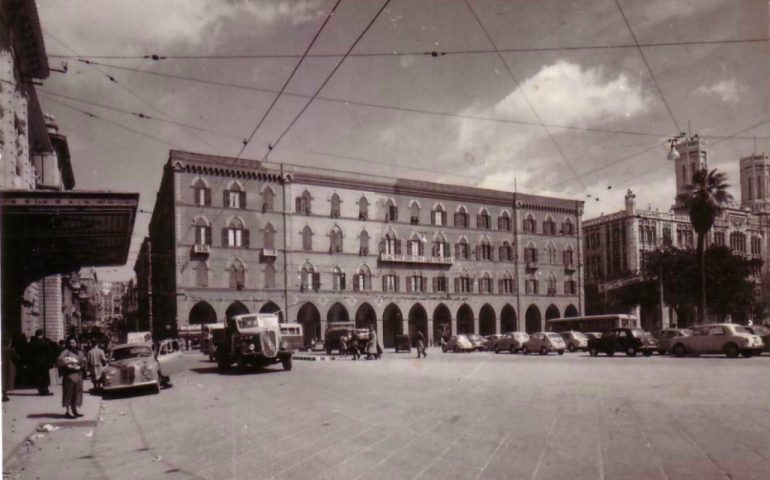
(135, 337)
(252, 339)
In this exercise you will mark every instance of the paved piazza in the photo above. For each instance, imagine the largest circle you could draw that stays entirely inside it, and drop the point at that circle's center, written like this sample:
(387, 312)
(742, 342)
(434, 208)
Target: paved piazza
(450, 416)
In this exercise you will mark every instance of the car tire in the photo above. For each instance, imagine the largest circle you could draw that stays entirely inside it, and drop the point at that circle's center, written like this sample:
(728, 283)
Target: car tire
(731, 350)
(286, 363)
(525, 350)
(561, 352)
(679, 350)
(497, 350)
(571, 348)
(631, 351)
(610, 353)
(512, 349)
(593, 352)
(223, 363)
(443, 348)
(647, 353)
(543, 351)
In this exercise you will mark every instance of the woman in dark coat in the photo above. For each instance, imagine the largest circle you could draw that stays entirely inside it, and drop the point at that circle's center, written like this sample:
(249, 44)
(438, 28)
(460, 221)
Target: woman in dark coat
(72, 363)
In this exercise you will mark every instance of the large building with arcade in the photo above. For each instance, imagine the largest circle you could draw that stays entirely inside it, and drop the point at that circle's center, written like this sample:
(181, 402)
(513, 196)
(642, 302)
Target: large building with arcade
(230, 236)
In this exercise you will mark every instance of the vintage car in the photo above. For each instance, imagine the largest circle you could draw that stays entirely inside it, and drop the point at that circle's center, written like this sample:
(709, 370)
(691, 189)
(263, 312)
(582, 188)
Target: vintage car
(575, 340)
(457, 343)
(544, 342)
(477, 341)
(628, 340)
(491, 341)
(667, 335)
(253, 339)
(511, 342)
(591, 335)
(138, 365)
(336, 331)
(763, 332)
(403, 343)
(727, 338)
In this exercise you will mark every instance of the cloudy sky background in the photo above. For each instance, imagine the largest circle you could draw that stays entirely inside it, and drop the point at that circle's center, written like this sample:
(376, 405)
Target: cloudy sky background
(457, 118)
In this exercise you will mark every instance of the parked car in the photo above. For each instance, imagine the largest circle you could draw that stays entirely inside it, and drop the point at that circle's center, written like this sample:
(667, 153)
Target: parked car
(667, 335)
(403, 343)
(763, 332)
(491, 341)
(628, 340)
(544, 342)
(137, 365)
(727, 338)
(477, 341)
(575, 340)
(457, 343)
(511, 342)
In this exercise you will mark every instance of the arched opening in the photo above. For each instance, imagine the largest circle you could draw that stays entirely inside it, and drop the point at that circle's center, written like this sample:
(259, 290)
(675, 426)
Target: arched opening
(310, 319)
(465, 319)
(570, 311)
(391, 325)
(532, 322)
(442, 323)
(486, 320)
(418, 321)
(236, 308)
(202, 312)
(552, 312)
(366, 317)
(271, 307)
(337, 313)
(508, 319)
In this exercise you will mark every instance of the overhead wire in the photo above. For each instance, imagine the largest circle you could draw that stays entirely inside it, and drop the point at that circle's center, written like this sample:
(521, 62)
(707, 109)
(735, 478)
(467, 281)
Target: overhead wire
(289, 78)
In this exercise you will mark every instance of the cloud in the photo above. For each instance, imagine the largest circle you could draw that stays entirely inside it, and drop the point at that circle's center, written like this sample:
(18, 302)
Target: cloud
(727, 90)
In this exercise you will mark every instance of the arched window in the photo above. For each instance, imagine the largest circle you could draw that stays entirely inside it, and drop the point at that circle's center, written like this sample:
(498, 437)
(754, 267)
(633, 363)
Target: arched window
(570, 286)
(549, 226)
(268, 197)
(441, 246)
(391, 211)
(302, 203)
(551, 284)
(201, 194)
(415, 282)
(201, 274)
(390, 282)
(309, 278)
(307, 238)
(335, 213)
(483, 220)
(550, 250)
(463, 283)
(485, 283)
(530, 254)
(569, 259)
(506, 251)
(484, 250)
(363, 243)
(504, 222)
(414, 213)
(390, 245)
(202, 232)
(529, 224)
(234, 197)
(269, 234)
(440, 283)
(234, 235)
(462, 249)
(335, 240)
(338, 279)
(362, 281)
(269, 276)
(415, 246)
(505, 284)
(532, 285)
(438, 216)
(237, 275)
(567, 228)
(363, 208)
(461, 217)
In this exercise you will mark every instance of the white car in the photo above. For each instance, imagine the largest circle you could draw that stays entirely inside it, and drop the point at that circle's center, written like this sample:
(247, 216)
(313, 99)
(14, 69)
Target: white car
(727, 338)
(136, 365)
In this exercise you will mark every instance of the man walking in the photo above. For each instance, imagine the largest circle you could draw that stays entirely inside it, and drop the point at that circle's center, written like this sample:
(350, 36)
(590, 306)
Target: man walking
(421, 344)
(40, 362)
(96, 361)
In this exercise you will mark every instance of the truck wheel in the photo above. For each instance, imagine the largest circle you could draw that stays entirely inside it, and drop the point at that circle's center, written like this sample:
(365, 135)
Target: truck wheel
(286, 362)
(731, 350)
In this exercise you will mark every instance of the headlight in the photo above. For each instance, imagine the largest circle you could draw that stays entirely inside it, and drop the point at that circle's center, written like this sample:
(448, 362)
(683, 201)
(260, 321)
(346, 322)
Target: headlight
(285, 345)
(251, 347)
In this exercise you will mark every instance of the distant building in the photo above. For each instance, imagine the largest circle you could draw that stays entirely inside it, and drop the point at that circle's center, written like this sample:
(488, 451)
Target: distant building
(230, 236)
(615, 244)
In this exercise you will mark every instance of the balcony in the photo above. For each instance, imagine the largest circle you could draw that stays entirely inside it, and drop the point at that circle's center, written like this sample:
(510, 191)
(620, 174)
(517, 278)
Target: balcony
(269, 253)
(200, 249)
(413, 259)
(569, 267)
(531, 266)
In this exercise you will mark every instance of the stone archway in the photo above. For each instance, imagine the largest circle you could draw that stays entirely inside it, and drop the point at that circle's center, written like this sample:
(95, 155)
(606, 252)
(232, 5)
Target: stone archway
(570, 311)
(442, 323)
(465, 319)
(552, 312)
(487, 320)
(392, 325)
(271, 307)
(337, 313)
(236, 308)
(366, 317)
(310, 319)
(533, 320)
(418, 321)
(202, 312)
(508, 319)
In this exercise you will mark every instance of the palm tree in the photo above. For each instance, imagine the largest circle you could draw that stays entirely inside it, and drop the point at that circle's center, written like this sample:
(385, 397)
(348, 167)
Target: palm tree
(704, 198)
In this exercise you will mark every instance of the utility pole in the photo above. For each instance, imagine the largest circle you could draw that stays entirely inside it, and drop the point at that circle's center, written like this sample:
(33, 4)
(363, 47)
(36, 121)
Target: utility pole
(149, 285)
(660, 285)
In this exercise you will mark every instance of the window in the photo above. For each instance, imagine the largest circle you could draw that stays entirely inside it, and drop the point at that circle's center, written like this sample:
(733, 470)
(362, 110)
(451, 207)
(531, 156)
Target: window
(531, 286)
(441, 247)
(440, 284)
(570, 287)
(567, 256)
(234, 235)
(416, 283)
(756, 246)
(567, 228)
(738, 242)
(504, 222)
(335, 240)
(390, 283)
(461, 218)
(463, 284)
(483, 220)
(202, 232)
(362, 281)
(390, 245)
(201, 274)
(338, 279)
(529, 224)
(302, 203)
(550, 252)
(484, 250)
(237, 276)
(269, 236)
(363, 243)
(309, 278)
(506, 251)
(462, 249)
(268, 197)
(391, 212)
(530, 254)
(201, 194)
(269, 276)
(414, 213)
(414, 246)
(505, 284)
(551, 285)
(307, 238)
(719, 239)
(335, 212)
(438, 216)
(235, 197)
(363, 208)
(485, 284)
(549, 226)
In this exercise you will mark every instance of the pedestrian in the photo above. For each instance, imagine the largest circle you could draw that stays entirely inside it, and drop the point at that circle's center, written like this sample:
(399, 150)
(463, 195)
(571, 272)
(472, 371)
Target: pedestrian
(10, 360)
(353, 346)
(96, 362)
(371, 347)
(421, 344)
(40, 362)
(72, 363)
(343, 346)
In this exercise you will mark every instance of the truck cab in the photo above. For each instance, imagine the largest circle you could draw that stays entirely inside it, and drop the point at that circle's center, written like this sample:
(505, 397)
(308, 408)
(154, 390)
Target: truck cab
(252, 339)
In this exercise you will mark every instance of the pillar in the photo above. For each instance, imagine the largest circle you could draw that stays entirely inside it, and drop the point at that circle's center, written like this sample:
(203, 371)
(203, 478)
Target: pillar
(453, 323)
(430, 331)
(497, 324)
(476, 325)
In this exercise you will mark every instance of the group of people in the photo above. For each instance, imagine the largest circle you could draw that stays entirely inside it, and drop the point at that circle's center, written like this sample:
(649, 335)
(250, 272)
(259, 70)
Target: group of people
(40, 355)
(352, 346)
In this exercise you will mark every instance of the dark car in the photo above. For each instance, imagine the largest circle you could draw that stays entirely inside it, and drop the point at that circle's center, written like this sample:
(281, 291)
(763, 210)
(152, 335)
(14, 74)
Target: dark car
(403, 343)
(763, 332)
(628, 340)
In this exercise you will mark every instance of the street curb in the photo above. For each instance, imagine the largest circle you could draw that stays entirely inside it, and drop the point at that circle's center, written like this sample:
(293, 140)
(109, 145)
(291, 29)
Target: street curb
(313, 358)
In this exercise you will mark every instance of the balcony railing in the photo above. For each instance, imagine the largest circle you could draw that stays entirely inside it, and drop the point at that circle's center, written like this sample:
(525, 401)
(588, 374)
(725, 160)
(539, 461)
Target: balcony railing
(569, 267)
(531, 265)
(393, 258)
(269, 252)
(200, 249)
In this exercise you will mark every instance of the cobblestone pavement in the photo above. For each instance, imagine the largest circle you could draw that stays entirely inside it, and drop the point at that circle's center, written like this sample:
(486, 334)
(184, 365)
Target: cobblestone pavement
(450, 416)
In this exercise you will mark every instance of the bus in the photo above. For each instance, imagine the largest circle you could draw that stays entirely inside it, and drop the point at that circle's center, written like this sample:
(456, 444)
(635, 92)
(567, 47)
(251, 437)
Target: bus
(294, 334)
(592, 323)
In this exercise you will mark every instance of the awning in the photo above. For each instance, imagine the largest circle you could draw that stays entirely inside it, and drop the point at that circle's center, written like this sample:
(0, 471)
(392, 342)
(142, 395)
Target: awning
(48, 232)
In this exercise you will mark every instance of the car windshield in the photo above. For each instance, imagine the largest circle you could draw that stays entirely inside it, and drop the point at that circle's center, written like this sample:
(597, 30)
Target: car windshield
(520, 335)
(474, 338)
(131, 352)
(686, 332)
(554, 336)
(740, 329)
(461, 337)
(579, 335)
(248, 322)
(639, 333)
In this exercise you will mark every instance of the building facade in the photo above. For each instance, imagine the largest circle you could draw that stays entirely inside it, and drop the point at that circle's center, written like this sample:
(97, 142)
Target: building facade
(615, 244)
(230, 236)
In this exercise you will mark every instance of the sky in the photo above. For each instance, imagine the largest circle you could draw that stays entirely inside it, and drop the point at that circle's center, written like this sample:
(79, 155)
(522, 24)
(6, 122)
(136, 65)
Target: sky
(513, 99)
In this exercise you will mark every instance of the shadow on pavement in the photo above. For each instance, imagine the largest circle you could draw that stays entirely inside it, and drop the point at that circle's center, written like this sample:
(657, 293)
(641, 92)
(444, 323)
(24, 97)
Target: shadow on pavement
(47, 415)
(235, 371)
